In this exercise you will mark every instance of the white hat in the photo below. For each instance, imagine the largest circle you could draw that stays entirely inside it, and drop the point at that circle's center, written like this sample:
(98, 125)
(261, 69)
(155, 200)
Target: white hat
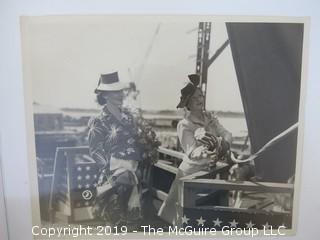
(110, 82)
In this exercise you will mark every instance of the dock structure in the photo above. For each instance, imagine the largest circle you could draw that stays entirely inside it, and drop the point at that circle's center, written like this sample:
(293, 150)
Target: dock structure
(204, 196)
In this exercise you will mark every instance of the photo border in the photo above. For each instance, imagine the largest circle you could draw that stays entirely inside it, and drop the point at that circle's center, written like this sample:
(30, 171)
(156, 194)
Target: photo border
(28, 98)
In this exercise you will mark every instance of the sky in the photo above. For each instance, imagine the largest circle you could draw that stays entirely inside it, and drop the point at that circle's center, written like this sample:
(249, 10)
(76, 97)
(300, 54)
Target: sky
(66, 55)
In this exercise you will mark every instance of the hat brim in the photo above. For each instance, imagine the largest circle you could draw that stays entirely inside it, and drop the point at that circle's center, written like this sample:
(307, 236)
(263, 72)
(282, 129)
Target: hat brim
(117, 86)
(184, 101)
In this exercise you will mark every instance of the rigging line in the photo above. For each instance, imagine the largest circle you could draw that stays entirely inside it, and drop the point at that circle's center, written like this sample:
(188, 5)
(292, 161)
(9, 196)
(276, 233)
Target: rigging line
(144, 60)
(148, 52)
(269, 144)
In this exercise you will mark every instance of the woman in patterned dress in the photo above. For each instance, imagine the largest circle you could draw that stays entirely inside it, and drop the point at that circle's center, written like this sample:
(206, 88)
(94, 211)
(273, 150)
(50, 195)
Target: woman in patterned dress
(121, 144)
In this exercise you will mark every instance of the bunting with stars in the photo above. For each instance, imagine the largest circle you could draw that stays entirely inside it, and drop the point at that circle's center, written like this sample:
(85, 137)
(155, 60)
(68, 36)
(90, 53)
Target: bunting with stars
(218, 217)
(77, 172)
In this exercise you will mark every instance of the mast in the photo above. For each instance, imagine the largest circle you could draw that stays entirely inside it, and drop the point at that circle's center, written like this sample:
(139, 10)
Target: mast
(204, 31)
(203, 61)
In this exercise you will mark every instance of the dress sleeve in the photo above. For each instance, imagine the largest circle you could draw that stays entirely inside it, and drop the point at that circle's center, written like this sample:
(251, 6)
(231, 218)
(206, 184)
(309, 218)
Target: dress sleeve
(96, 137)
(186, 137)
(221, 131)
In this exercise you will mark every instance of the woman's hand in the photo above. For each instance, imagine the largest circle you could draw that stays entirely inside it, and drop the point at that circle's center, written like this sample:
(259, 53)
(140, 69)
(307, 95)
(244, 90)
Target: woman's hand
(104, 175)
(207, 139)
(202, 152)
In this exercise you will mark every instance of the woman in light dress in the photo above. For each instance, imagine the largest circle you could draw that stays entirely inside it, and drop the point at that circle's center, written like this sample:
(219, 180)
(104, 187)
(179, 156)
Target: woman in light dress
(203, 139)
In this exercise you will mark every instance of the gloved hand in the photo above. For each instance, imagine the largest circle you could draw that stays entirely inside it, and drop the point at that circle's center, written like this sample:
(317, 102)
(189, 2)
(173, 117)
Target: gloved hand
(207, 139)
(104, 174)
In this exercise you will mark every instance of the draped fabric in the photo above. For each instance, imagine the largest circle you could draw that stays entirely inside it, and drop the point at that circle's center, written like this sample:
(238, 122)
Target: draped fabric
(267, 59)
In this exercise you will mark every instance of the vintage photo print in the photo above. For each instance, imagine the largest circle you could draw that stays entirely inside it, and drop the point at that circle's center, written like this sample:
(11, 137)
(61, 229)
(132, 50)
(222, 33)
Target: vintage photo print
(157, 126)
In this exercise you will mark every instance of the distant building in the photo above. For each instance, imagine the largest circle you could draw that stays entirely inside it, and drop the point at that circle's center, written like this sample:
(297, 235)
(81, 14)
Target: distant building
(47, 118)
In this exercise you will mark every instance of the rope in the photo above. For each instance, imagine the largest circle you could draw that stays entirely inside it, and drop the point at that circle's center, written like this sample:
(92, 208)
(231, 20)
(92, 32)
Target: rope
(269, 144)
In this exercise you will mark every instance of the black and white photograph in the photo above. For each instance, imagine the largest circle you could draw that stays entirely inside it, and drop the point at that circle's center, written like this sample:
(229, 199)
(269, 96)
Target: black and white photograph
(157, 125)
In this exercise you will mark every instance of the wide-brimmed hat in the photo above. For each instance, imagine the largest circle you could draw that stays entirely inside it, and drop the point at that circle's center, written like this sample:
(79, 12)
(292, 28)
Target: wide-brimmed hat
(188, 90)
(110, 82)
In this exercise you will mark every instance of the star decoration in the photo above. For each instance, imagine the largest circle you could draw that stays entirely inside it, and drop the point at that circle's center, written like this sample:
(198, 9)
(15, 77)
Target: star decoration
(217, 222)
(266, 226)
(79, 186)
(184, 219)
(79, 168)
(233, 223)
(93, 129)
(87, 168)
(87, 176)
(79, 177)
(250, 224)
(201, 221)
(95, 176)
(87, 186)
(113, 132)
(95, 185)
